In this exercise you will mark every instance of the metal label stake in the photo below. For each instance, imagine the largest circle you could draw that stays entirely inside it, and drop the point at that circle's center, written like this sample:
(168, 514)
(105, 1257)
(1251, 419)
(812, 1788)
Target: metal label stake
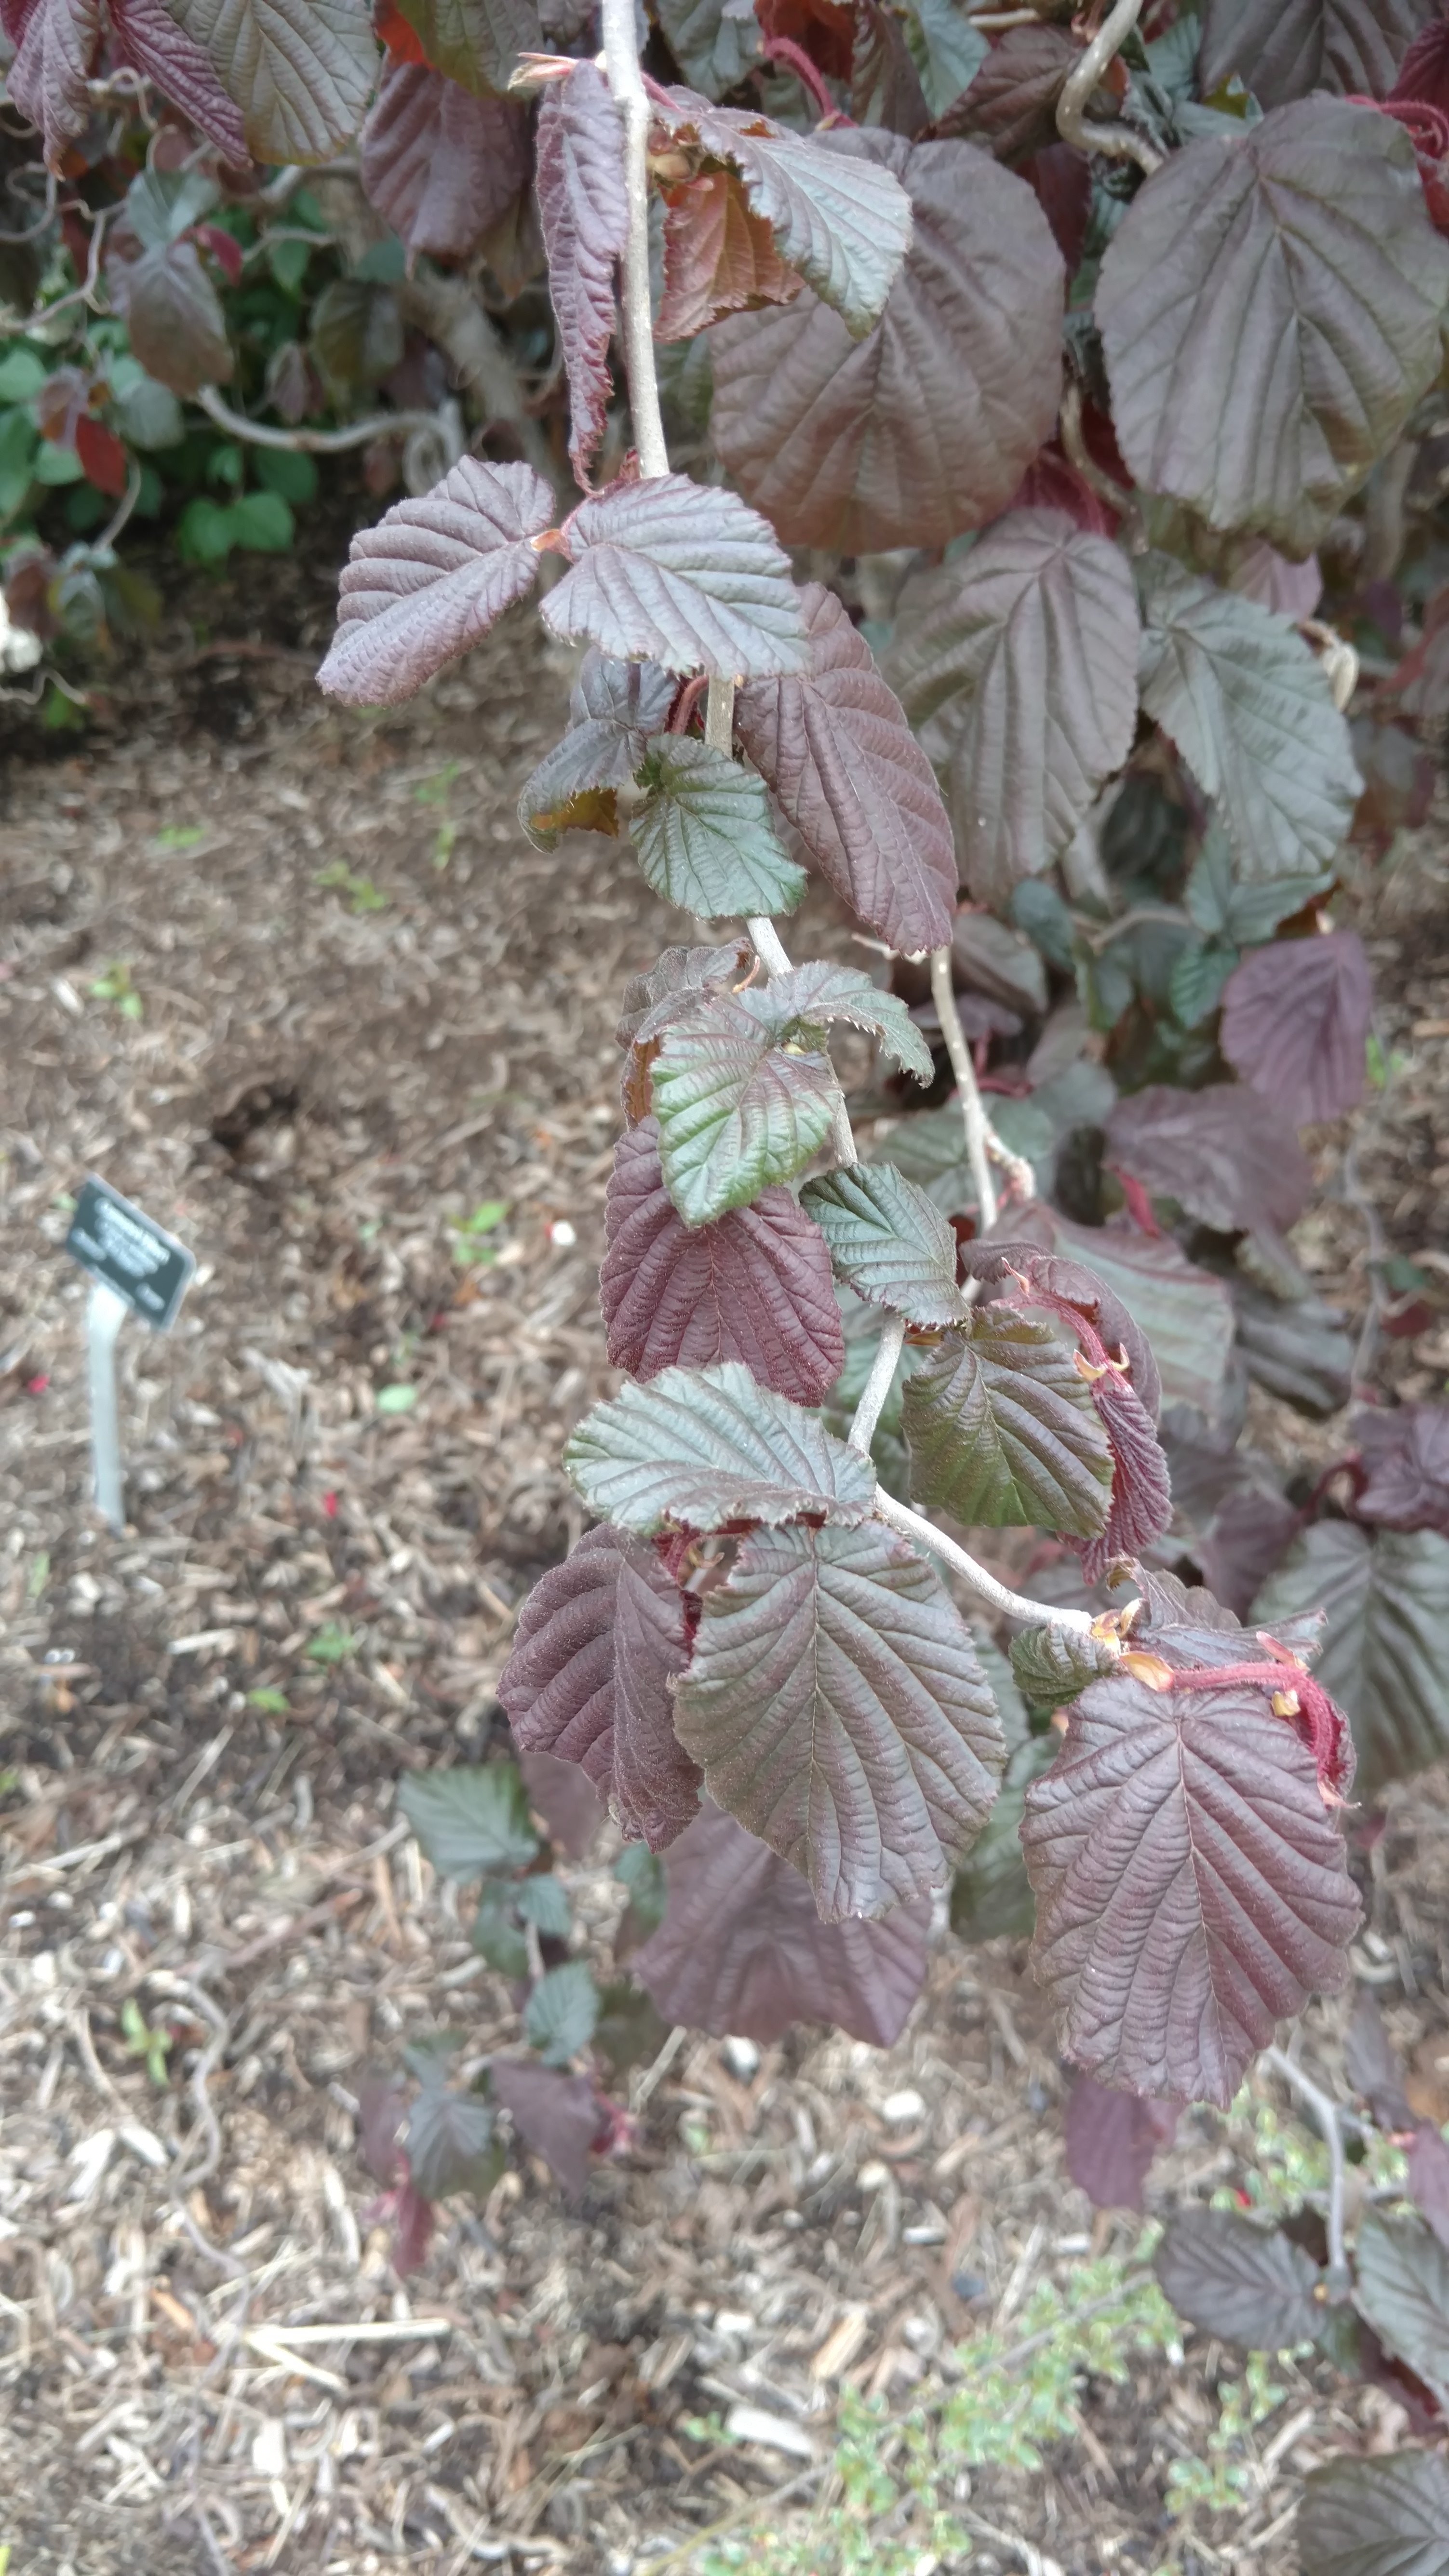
(136, 1268)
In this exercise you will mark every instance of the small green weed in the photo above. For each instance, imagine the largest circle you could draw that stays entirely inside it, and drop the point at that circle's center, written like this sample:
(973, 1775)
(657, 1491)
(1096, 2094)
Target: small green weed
(332, 1644)
(272, 1703)
(179, 836)
(362, 895)
(469, 1232)
(144, 2041)
(115, 985)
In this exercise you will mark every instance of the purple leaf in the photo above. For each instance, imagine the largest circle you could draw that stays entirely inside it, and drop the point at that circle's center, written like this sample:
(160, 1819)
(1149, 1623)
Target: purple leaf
(925, 427)
(599, 1639)
(719, 257)
(1386, 1638)
(1184, 1313)
(556, 2115)
(1222, 1153)
(1282, 49)
(56, 42)
(1111, 2139)
(681, 574)
(413, 2218)
(1295, 1018)
(300, 71)
(1141, 1506)
(1249, 708)
(1247, 1539)
(1240, 2282)
(653, 999)
(1407, 1455)
(742, 1949)
(1403, 2290)
(1424, 71)
(1011, 105)
(1297, 1348)
(1073, 1290)
(1428, 2159)
(1025, 654)
(440, 166)
(584, 211)
(837, 1708)
(172, 313)
(613, 709)
(146, 35)
(565, 1798)
(381, 2110)
(431, 579)
(1002, 1429)
(754, 1286)
(696, 1448)
(1376, 2517)
(840, 216)
(1191, 1891)
(885, 88)
(1372, 2067)
(1301, 246)
(836, 752)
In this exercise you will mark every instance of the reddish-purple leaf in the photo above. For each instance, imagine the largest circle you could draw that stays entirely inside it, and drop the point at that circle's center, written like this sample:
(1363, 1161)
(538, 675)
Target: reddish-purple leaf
(719, 257)
(1223, 1153)
(1111, 2139)
(698, 1449)
(1011, 105)
(681, 574)
(584, 211)
(1141, 1506)
(1282, 49)
(1289, 589)
(754, 1286)
(1270, 309)
(1103, 1325)
(837, 1708)
(1249, 1535)
(1295, 1020)
(1428, 2158)
(476, 42)
(565, 1798)
(1024, 652)
(742, 1950)
(441, 166)
(381, 2110)
(1371, 2065)
(146, 35)
(598, 1641)
(885, 87)
(1191, 1889)
(1407, 1455)
(652, 1000)
(927, 426)
(840, 216)
(557, 2115)
(431, 579)
(1424, 71)
(173, 315)
(413, 2218)
(846, 771)
(56, 43)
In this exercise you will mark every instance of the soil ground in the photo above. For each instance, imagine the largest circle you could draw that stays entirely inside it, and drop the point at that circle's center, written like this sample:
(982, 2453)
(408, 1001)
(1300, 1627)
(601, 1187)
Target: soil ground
(367, 1008)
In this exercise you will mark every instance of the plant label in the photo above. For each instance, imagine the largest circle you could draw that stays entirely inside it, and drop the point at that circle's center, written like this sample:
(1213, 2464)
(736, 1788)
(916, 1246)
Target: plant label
(119, 1244)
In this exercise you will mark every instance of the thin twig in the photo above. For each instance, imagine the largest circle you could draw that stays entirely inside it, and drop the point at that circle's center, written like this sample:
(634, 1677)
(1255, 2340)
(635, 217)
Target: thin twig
(719, 717)
(125, 506)
(621, 63)
(878, 1385)
(1114, 142)
(1326, 2113)
(983, 1145)
(1013, 1605)
(1099, 935)
(313, 442)
(1118, 499)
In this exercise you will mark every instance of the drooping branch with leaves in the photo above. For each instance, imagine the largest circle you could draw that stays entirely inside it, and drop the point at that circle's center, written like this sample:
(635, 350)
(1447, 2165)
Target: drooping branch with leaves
(1060, 404)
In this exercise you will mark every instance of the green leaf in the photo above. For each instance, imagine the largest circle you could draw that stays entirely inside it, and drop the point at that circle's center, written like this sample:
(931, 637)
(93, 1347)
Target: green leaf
(837, 1708)
(1002, 1429)
(991, 1896)
(475, 42)
(470, 1821)
(544, 1901)
(22, 374)
(946, 49)
(888, 1242)
(630, 2030)
(395, 1399)
(292, 475)
(735, 1110)
(698, 1447)
(1250, 710)
(714, 47)
(704, 834)
(1385, 1649)
(562, 2013)
(450, 2144)
(793, 1005)
(1243, 916)
(272, 1703)
(497, 1937)
(357, 332)
(1052, 1664)
(1196, 984)
(1403, 2290)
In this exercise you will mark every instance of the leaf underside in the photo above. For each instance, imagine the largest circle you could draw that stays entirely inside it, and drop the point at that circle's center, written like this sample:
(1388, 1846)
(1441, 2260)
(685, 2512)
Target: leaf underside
(1223, 1152)
(1191, 1891)
(837, 1708)
(441, 166)
(584, 212)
